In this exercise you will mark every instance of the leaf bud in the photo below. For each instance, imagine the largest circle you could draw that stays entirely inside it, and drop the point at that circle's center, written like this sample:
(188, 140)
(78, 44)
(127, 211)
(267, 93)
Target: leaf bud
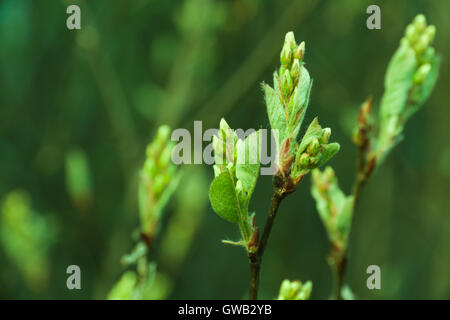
(326, 133)
(313, 146)
(422, 73)
(295, 70)
(420, 22)
(430, 32)
(300, 51)
(286, 55)
(286, 83)
(305, 160)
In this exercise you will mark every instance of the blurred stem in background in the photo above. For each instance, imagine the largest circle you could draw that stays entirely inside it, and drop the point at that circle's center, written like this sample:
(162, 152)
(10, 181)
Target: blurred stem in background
(409, 81)
(27, 238)
(159, 179)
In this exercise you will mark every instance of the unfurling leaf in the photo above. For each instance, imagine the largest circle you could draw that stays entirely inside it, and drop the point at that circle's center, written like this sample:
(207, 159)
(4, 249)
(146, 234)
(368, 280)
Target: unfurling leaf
(410, 79)
(334, 207)
(294, 290)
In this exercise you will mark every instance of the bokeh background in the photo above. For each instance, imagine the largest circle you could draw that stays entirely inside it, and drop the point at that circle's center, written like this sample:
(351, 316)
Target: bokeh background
(77, 109)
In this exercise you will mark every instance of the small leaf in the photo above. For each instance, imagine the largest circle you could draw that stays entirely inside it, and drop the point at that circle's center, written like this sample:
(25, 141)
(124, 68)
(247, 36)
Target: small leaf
(398, 81)
(314, 131)
(301, 100)
(234, 243)
(223, 197)
(275, 111)
(247, 168)
(344, 219)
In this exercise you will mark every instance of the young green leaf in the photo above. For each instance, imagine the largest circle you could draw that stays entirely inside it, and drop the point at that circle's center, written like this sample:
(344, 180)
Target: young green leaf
(275, 111)
(334, 207)
(248, 162)
(223, 197)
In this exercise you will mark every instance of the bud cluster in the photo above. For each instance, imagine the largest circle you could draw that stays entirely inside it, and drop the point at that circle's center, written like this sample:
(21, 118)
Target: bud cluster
(294, 290)
(313, 151)
(334, 207)
(235, 179)
(419, 37)
(410, 79)
(225, 151)
(158, 179)
(291, 58)
(287, 102)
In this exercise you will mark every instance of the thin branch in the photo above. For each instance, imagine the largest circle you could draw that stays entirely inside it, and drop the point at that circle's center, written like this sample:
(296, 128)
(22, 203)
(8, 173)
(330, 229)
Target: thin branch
(255, 258)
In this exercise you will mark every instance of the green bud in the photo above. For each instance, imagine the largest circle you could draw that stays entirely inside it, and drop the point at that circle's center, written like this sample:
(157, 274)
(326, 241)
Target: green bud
(282, 71)
(286, 83)
(152, 150)
(420, 22)
(294, 290)
(430, 32)
(158, 184)
(286, 55)
(150, 168)
(313, 146)
(356, 137)
(295, 70)
(293, 99)
(305, 160)
(284, 289)
(300, 51)
(239, 187)
(289, 39)
(165, 158)
(326, 133)
(411, 34)
(163, 133)
(421, 44)
(329, 173)
(223, 125)
(305, 292)
(429, 54)
(422, 73)
(216, 170)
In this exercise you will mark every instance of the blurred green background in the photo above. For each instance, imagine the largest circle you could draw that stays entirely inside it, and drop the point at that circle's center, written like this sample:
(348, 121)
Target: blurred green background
(77, 109)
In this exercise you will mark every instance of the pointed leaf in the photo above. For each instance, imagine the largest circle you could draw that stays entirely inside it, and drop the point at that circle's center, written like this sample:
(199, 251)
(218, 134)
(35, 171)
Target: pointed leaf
(314, 131)
(398, 81)
(275, 111)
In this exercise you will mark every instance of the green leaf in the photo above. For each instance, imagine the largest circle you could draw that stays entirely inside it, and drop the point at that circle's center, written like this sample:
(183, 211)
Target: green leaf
(247, 168)
(301, 100)
(398, 81)
(275, 111)
(314, 131)
(344, 219)
(334, 207)
(223, 197)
